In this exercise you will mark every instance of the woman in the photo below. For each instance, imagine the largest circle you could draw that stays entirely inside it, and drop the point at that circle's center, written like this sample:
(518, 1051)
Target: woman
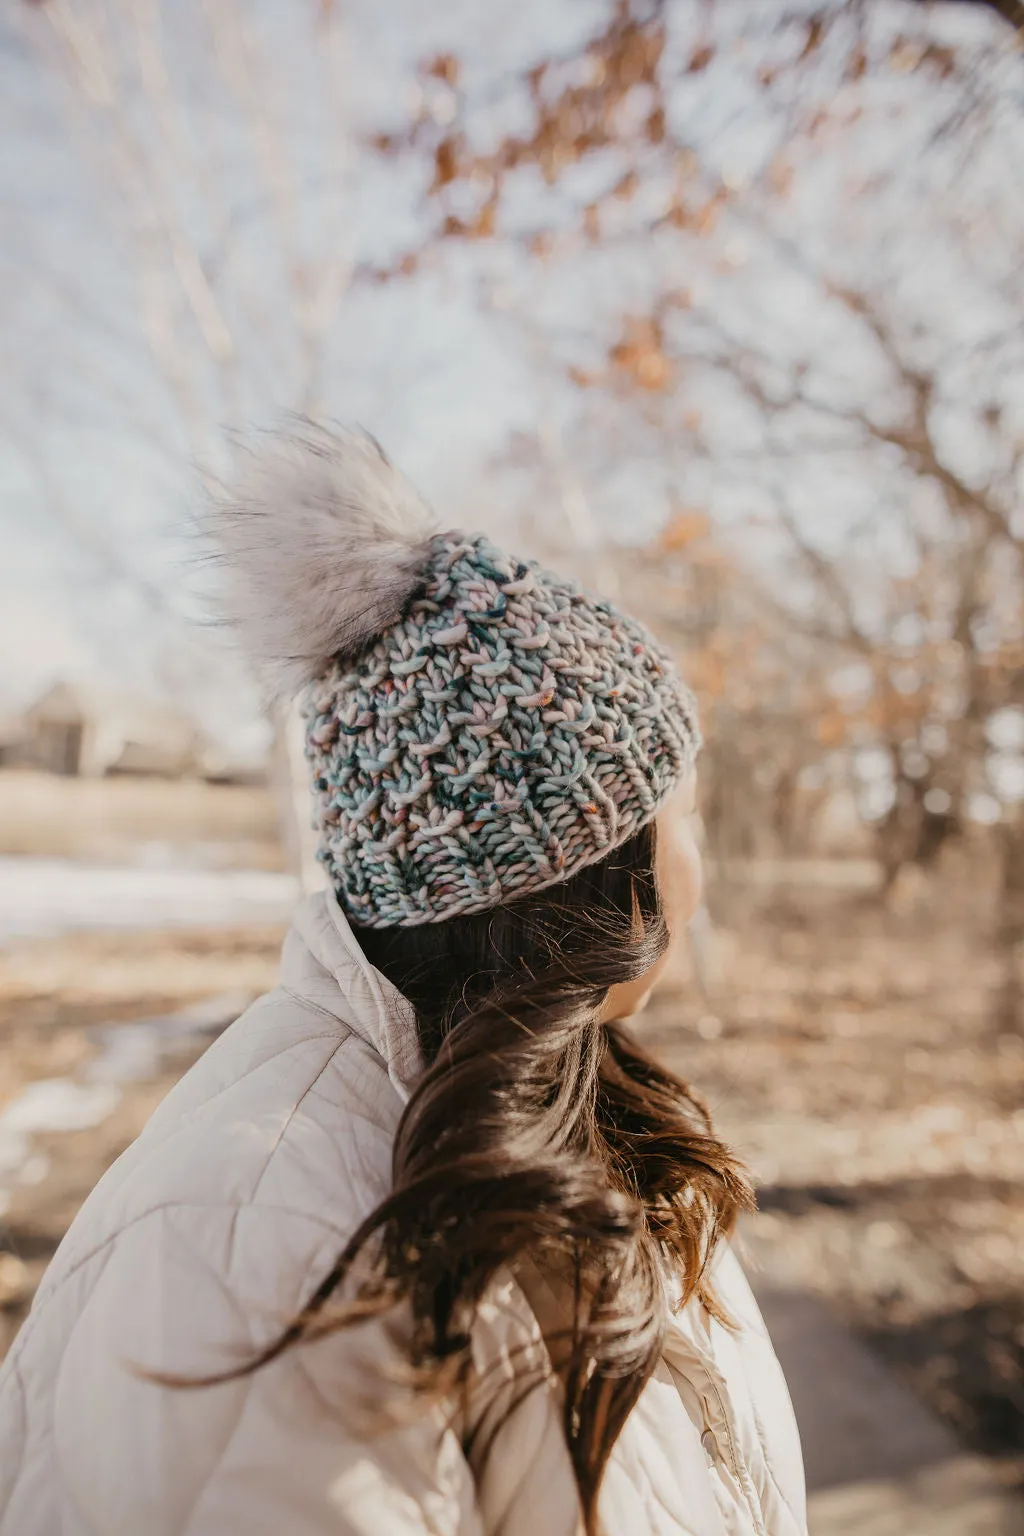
(425, 1242)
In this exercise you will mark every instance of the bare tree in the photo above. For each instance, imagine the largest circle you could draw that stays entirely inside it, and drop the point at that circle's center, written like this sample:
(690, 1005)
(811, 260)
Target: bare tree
(828, 321)
(224, 152)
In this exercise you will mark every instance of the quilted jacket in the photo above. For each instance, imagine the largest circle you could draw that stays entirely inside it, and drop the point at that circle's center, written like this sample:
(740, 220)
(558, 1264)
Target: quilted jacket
(215, 1226)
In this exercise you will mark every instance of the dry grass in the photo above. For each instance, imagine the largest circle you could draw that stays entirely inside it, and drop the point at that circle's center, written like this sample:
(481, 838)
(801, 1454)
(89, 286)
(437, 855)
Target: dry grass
(120, 819)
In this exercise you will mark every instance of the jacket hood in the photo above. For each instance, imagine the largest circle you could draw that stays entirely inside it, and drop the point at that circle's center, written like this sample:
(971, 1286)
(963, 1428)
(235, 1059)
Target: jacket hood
(351, 989)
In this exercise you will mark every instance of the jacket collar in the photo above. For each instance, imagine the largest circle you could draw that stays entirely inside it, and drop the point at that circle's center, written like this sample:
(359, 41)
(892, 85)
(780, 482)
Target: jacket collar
(363, 999)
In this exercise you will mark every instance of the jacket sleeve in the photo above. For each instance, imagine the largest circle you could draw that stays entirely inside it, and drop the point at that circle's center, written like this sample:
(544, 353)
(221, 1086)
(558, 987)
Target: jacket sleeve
(267, 1454)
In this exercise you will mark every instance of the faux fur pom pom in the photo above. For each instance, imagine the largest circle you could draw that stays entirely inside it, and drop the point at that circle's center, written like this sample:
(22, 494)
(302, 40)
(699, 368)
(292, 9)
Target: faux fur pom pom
(324, 543)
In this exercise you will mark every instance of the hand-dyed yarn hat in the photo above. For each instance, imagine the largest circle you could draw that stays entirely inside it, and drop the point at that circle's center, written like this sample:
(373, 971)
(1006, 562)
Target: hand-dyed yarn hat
(477, 727)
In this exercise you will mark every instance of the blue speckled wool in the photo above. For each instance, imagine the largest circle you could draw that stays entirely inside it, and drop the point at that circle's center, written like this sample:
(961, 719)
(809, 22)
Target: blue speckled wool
(504, 733)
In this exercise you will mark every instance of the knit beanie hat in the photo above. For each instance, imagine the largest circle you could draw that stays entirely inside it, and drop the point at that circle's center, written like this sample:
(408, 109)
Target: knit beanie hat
(476, 727)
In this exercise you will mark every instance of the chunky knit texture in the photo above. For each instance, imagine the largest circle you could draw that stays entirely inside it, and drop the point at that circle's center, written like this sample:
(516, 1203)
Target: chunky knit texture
(507, 731)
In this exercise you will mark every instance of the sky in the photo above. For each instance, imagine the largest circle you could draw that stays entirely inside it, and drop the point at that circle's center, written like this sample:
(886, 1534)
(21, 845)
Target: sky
(102, 577)
(97, 481)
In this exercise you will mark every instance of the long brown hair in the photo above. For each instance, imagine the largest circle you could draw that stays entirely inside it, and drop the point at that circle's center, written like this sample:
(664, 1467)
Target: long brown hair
(539, 1132)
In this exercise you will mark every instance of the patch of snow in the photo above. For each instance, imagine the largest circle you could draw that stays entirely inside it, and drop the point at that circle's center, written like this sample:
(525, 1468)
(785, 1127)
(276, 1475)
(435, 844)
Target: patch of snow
(47, 896)
(58, 1104)
(52, 1104)
(134, 1051)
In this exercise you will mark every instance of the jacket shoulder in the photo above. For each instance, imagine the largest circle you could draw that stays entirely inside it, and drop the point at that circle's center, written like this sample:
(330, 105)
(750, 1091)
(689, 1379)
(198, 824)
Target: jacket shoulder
(177, 1293)
(288, 1114)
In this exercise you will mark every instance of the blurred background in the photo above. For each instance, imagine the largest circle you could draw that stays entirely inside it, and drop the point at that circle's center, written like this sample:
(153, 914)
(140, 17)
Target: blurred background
(718, 304)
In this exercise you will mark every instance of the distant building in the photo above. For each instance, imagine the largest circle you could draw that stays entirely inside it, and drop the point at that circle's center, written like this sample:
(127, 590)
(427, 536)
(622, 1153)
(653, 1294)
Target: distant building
(12, 731)
(87, 733)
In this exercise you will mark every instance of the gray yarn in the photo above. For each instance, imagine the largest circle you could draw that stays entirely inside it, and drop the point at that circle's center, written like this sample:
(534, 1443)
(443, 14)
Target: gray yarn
(506, 732)
(477, 727)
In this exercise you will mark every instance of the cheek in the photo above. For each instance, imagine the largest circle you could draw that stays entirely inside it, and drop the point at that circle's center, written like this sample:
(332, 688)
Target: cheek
(680, 881)
(680, 877)
(629, 997)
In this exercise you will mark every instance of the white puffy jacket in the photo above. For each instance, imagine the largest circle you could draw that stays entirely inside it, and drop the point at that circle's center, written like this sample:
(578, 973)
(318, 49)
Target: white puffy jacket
(214, 1228)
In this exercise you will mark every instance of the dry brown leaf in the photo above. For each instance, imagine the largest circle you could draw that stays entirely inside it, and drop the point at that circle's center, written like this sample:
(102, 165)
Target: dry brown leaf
(444, 67)
(683, 528)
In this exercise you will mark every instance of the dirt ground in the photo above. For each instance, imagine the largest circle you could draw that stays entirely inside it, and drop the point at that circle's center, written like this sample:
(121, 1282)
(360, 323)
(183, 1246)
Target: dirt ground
(849, 1055)
(846, 1051)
